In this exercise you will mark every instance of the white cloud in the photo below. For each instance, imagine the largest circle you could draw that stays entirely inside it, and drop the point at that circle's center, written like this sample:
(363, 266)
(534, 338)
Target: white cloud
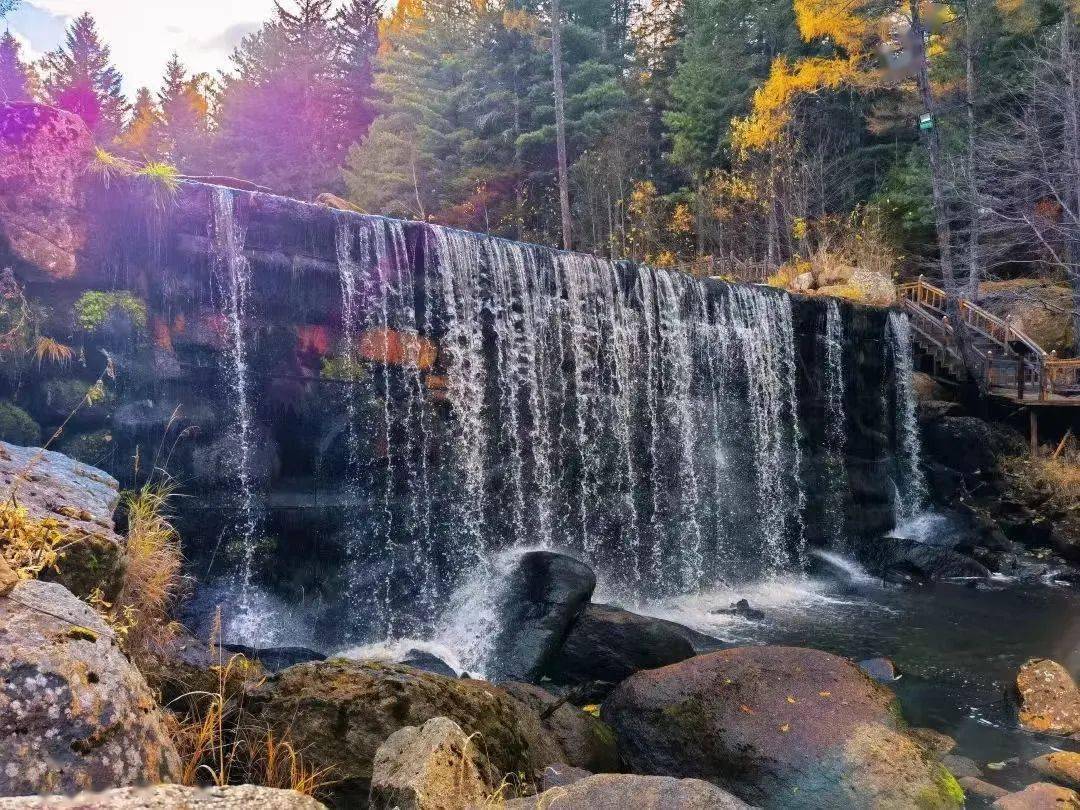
(142, 33)
(26, 49)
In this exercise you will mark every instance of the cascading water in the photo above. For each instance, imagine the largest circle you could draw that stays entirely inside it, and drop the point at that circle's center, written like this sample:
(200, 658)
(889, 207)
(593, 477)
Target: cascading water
(232, 275)
(835, 425)
(910, 485)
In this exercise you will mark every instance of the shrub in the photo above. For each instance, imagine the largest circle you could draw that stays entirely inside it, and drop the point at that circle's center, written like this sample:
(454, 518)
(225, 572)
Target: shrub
(17, 426)
(95, 306)
(29, 545)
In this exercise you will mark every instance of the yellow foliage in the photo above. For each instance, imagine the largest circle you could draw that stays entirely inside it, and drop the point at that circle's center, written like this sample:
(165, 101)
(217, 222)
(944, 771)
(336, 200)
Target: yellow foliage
(682, 221)
(642, 197)
(665, 258)
(799, 228)
(29, 545)
(771, 111)
(841, 22)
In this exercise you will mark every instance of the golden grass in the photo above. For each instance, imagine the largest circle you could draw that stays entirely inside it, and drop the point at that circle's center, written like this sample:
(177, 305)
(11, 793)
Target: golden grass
(52, 351)
(28, 545)
(219, 746)
(153, 568)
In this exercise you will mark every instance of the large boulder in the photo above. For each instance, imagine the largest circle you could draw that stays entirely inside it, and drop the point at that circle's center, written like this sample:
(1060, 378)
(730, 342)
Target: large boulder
(43, 153)
(161, 797)
(544, 593)
(1040, 796)
(1061, 766)
(612, 791)
(1049, 700)
(339, 712)
(586, 741)
(607, 643)
(777, 726)
(433, 767)
(80, 499)
(892, 555)
(74, 713)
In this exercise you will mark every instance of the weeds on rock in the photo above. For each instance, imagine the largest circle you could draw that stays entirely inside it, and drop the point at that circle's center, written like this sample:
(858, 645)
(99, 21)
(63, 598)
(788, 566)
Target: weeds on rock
(219, 745)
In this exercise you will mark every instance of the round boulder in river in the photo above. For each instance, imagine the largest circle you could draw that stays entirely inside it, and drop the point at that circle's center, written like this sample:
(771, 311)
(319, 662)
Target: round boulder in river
(778, 727)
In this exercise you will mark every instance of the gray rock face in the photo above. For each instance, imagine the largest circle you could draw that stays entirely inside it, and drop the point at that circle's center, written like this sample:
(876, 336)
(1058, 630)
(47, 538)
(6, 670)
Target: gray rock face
(616, 791)
(82, 500)
(171, 797)
(74, 713)
(545, 592)
(433, 767)
(607, 643)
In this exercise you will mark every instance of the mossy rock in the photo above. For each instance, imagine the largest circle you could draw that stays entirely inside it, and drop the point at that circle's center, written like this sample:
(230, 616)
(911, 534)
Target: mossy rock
(17, 426)
(57, 399)
(89, 448)
(339, 712)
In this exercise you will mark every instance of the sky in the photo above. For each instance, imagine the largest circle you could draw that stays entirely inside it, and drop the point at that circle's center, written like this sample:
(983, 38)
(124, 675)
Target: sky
(142, 33)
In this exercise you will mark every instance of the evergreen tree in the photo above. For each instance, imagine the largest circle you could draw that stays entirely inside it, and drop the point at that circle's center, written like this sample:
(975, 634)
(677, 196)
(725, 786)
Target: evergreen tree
(80, 78)
(183, 130)
(284, 119)
(357, 32)
(14, 76)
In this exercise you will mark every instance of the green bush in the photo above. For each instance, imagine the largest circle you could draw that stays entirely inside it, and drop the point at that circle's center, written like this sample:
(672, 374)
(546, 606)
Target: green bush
(17, 426)
(95, 306)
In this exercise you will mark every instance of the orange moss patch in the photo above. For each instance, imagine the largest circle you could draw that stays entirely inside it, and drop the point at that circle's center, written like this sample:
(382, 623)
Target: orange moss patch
(396, 348)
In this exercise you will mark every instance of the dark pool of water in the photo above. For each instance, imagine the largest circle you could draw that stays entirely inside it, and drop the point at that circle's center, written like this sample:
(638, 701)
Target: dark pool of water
(958, 648)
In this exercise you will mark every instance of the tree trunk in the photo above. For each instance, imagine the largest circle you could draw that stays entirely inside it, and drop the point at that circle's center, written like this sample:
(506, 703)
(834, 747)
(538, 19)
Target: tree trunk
(974, 270)
(560, 122)
(1070, 110)
(934, 150)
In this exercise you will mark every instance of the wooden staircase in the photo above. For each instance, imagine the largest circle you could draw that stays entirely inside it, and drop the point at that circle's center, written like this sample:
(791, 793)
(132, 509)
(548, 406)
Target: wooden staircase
(1006, 362)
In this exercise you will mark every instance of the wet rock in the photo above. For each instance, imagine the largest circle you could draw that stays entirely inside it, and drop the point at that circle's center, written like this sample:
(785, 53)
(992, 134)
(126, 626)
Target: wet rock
(339, 712)
(932, 740)
(1062, 767)
(433, 767)
(973, 786)
(742, 608)
(1040, 796)
(81, 499)
(770, 723)
(163, 797)
(612, 791)
(428, 662)
(1049, 698)
(561, 775)
(896, 558)
(586, 741)
(963, 443)
(150, 419)
(544, 594)
(882, 670)
(74, 713)
(943, 483)
(607, 643)
(927, 389)
(56, 400)
(213, 463)
(43, 153)
(961, 766)
(180, 665)
(275, 659)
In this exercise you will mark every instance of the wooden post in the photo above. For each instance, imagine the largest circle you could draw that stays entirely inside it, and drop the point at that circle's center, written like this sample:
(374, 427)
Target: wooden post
(1033, 419)
(1019, 376)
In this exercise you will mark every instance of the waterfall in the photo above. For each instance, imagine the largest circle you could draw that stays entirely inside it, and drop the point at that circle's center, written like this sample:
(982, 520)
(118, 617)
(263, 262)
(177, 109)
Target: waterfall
(232, 276)
(911, 488)
(835, 425)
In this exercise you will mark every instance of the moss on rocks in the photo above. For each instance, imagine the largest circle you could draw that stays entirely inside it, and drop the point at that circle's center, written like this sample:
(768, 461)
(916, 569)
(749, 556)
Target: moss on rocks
(17, 426)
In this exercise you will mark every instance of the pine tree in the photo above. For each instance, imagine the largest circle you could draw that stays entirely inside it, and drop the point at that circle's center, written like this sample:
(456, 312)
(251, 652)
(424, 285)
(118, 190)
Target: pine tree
(184, 127)
(357, 32)
(280, 114)
(80, 78)
(14, 76)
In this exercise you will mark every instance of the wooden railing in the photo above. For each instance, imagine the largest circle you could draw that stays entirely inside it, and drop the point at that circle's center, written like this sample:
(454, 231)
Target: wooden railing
(1016, 361)
(732, 267)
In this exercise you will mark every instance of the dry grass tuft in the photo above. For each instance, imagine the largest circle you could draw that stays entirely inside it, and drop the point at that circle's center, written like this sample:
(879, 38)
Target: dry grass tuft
(218, 746)
(46, 349)
(153, 571)
(29, 545)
